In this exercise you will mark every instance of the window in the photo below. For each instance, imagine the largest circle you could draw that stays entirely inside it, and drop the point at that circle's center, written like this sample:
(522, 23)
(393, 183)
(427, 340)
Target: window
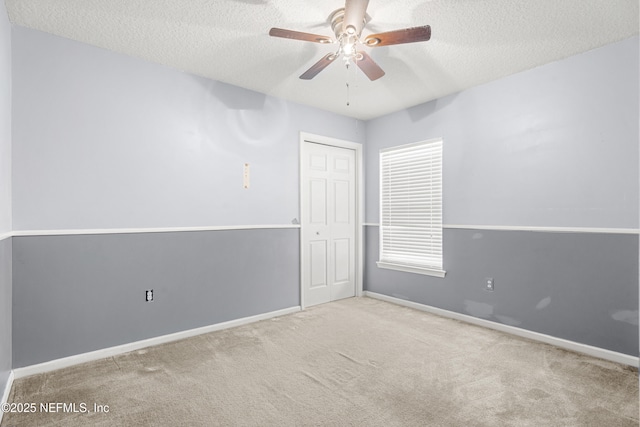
(411, 208)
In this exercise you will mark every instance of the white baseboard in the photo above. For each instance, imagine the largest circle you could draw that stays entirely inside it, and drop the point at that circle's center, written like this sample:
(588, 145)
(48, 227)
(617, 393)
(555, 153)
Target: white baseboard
(137, 345)
(5, 393)
(601, 353)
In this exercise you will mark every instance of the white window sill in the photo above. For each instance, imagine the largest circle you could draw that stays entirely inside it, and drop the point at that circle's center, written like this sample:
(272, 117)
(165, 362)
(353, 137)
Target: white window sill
(411, 269)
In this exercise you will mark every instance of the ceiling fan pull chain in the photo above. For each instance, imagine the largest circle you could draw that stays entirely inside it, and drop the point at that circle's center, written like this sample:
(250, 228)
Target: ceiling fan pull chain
(347, 94)
(347, 83)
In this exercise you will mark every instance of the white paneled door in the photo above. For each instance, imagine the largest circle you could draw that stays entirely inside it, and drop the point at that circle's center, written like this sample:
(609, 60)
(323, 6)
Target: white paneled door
(328, 223)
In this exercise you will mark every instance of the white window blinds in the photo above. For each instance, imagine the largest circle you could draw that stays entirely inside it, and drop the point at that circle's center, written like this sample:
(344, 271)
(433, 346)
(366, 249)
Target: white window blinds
(411, 208)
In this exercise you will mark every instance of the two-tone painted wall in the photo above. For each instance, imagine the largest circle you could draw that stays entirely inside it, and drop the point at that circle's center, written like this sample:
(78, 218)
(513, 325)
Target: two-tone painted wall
(5, 199)
(105, 142)
(541, 191)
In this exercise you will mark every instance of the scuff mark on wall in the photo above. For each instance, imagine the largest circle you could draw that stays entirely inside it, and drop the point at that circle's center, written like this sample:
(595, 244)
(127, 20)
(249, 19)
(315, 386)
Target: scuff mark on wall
(626, 316)
(508, 320)
(543, 303)
(478, 309)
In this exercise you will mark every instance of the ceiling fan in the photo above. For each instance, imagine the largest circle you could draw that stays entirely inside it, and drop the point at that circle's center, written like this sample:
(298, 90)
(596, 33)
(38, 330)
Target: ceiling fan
(347, 24)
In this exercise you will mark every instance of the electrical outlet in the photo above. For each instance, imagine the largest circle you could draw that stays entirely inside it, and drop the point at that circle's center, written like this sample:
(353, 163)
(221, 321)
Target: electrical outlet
(148, 295)
(488, 284)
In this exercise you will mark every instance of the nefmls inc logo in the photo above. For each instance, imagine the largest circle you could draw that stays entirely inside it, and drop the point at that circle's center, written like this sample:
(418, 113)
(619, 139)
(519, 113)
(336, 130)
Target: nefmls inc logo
(64, 407)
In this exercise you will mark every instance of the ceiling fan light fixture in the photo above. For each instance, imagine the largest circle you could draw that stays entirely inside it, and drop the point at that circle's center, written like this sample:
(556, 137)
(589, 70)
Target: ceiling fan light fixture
(372, 41)
(348, 44)
(347, 49)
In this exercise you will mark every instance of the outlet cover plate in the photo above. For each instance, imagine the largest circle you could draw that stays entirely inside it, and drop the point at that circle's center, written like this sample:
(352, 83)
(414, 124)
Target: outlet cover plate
(488, 284)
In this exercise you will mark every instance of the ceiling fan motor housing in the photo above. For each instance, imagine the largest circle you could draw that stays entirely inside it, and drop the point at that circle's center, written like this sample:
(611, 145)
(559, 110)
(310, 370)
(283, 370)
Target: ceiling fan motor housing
(337, 18)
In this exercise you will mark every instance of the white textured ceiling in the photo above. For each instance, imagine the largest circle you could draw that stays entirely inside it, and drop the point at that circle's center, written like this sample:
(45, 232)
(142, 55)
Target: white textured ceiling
(472, 42)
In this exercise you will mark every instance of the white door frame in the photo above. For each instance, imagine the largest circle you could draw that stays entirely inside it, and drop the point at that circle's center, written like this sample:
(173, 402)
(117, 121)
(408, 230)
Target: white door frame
(357, 147)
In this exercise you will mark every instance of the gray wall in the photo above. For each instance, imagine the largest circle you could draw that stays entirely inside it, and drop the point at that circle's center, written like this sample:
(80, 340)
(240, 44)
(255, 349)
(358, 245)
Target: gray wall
(556, 146)
(102, 140)
(5, 312)
(577, 286)
(5, 121)
(106, 141)
(5, 197)
(74, 294)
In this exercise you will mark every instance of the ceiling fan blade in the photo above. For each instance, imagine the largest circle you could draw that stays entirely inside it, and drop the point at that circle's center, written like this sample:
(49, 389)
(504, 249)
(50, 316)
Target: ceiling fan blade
(407, 35)
(318, 66)
(297, 35)
(369, 67)
(354, 15)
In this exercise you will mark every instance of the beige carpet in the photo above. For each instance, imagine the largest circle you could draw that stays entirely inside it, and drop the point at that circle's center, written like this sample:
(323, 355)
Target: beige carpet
(356, 362)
